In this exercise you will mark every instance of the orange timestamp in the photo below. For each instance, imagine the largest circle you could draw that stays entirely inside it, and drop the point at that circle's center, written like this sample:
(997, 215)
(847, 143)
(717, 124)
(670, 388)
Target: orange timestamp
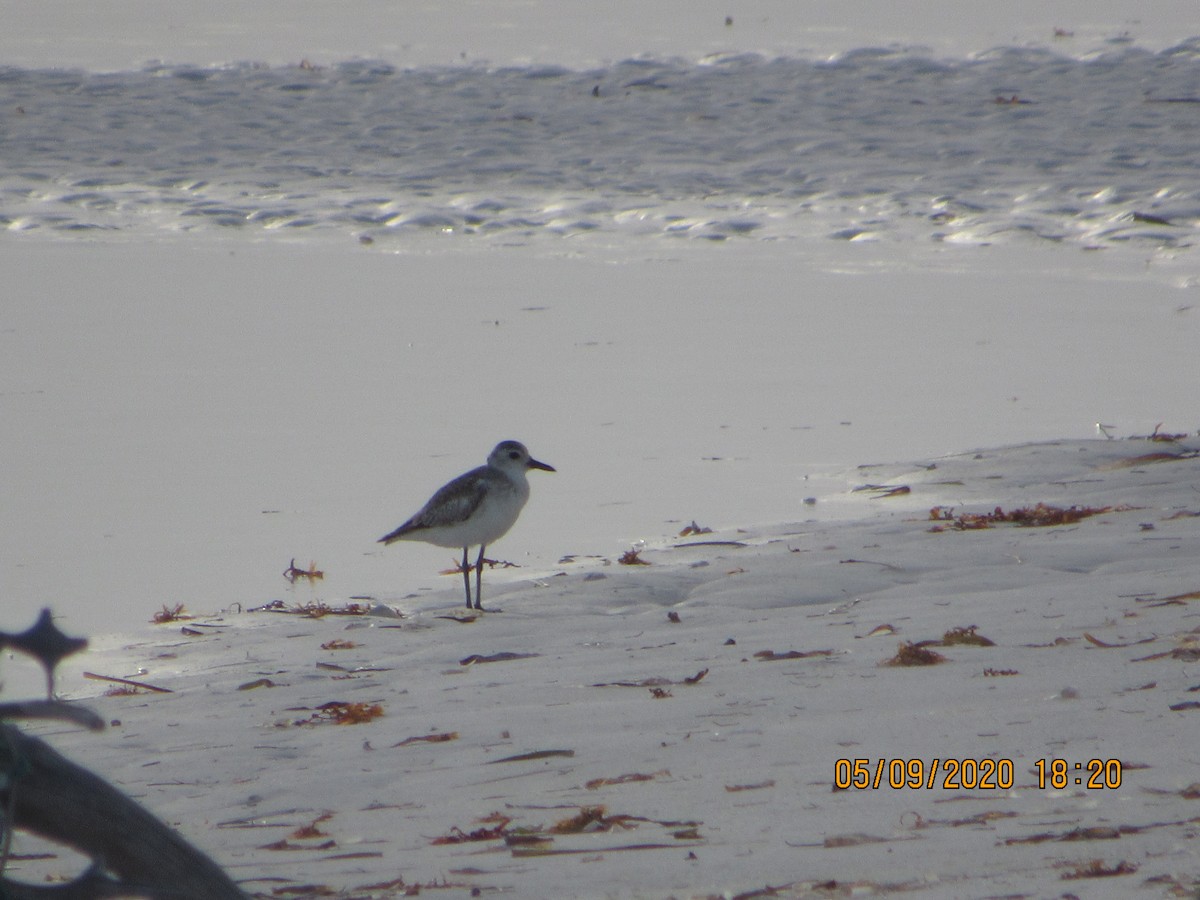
(955, 773)
(950, 774)
(1094, 774)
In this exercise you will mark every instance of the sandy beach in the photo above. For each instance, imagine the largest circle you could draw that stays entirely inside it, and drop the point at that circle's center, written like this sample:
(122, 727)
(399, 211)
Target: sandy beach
(695, 716)
(918, 432)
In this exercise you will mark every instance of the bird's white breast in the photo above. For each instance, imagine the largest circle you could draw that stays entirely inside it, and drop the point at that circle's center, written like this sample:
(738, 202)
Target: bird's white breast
(497, 512)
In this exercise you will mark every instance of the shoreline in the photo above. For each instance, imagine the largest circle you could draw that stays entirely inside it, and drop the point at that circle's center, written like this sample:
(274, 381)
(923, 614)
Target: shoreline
(132, 33)
(288, 401)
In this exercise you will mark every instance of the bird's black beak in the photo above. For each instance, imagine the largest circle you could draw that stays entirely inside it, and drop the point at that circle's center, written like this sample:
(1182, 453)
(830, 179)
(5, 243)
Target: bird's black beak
(537, 464)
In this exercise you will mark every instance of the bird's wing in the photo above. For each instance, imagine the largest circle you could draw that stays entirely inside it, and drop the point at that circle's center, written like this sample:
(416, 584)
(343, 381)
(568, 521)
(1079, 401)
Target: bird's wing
(453, 503)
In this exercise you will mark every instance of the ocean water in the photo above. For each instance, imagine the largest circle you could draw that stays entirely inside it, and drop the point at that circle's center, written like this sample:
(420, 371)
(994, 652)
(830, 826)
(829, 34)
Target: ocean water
(873, 144)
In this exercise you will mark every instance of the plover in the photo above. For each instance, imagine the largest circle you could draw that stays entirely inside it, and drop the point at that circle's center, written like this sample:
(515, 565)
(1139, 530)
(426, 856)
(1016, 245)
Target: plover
(477, 507)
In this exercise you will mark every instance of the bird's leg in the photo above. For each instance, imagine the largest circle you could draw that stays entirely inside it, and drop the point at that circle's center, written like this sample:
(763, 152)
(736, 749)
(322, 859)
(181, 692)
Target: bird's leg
(466, 576)
(479, 578)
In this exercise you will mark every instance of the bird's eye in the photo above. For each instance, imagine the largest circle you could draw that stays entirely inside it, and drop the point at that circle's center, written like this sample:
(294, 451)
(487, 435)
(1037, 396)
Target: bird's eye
(513, 454)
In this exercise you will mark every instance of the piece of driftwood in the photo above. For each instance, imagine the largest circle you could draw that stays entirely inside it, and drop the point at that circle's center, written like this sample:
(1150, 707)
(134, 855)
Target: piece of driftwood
(137, 855)
(91, 885)
(133, 853)
(51, 709)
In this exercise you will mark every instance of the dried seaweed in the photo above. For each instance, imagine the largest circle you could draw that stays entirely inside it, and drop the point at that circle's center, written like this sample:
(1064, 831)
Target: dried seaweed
(1157, 435)
(338, 644)
(316, 609)
(340, 712)
(632, 557)
(411, 890)
(1096, 869)
(494, 833)
(490, 563)
(593, 818)
(966, 636)
(911, 654)
(285, 844)
(175, 613)
(311, 830)
(1041, 515)
(118, 691)
(1177, 884)
(694, 529)
(304, 891)
(437, 738)
(312, 573)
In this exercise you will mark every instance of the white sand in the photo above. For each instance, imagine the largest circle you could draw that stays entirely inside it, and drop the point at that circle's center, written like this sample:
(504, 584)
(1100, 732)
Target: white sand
(183, 418)
(743, 761)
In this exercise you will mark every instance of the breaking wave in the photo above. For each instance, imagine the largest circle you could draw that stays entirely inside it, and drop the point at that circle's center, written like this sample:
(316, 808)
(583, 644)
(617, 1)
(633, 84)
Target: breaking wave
(874, 144)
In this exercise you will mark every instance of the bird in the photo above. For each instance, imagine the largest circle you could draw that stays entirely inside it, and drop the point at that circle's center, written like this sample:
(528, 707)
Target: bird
(476, 508)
